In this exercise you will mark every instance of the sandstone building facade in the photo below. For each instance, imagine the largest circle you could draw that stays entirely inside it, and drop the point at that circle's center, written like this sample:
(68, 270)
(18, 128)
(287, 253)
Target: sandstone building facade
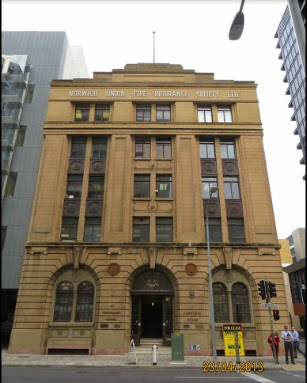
(116, 247)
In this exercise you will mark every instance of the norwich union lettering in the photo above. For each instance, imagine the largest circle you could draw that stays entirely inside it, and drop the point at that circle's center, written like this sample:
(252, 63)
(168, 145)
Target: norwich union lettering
(83, 93)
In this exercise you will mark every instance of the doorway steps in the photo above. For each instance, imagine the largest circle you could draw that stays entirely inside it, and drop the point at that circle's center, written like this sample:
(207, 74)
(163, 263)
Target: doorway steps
(146, 344)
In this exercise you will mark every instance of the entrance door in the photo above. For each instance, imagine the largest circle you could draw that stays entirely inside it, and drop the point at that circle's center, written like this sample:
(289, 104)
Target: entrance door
(152, 317)
(152, 306)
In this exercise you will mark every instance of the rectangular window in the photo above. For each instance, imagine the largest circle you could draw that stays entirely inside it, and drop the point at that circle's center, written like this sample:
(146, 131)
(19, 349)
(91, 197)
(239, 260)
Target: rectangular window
(143, 112)
(11, 183)
(215, 231)
(231, 188)
(69, 229)
(163, 186)
(207, 183)
(78, 146)
(140, 229)
(3, 235)
(74, 186)
(95, 187)
(143, 147)
(82, 112)
(224, 113)
(236, 230)
(142, 185)
(21, 135)
(92, 229)
(102, 112)
(163, 113)
(163, 147)
(207, 149)
(227, 149)
(99, 148)
(204, 113)
(164, 229)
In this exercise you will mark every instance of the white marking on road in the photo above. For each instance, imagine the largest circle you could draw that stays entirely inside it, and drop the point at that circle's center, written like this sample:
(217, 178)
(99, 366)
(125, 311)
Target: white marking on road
(298, 376)
(211, 377)
(258, 378)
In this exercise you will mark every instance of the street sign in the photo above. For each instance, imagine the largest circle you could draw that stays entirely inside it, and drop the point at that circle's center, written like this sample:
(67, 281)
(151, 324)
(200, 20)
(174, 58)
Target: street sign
(272, 305)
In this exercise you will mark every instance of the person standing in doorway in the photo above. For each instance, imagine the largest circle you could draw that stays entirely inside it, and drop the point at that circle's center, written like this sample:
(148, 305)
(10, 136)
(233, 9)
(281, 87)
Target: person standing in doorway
(274, 342)
(296, 342)
(287, 337)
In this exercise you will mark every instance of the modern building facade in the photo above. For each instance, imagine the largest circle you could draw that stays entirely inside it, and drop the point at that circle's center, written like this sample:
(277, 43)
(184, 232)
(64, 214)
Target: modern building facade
(116, 246)
(291, 41)
(297, 276)
(30, 60)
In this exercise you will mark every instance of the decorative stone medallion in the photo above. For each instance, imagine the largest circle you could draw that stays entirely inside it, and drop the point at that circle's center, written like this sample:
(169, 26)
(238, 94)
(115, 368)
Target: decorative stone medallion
(190, 269)
(227, 276)
(114, 268)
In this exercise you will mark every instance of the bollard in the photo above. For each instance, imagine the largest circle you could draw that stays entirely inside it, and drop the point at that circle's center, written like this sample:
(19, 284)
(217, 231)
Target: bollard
(154, 354)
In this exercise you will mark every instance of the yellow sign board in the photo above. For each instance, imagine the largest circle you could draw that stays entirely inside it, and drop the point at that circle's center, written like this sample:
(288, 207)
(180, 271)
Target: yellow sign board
(229, 339)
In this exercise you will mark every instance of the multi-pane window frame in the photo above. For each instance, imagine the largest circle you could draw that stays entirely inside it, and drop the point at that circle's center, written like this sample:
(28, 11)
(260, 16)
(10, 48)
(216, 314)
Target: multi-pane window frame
(70, 227)
(102, 112)
(228, 149)
(231, 303)
(224, 114)
(164, 229)
(78, 147)
(141, 185)
(163, 148)
(215, 230)
(92, 229)
(82, 112)
(164, 186)
(74, 186)
(204, 113)
(141, 229)
(163, 112)
(95, 187)
(231, 188)
(143, 112)
(207, 184)
(75, 300)
(99, 148)
(220, 299)
(240, 306)
(236, 230)
(142, 147)
(207, 149)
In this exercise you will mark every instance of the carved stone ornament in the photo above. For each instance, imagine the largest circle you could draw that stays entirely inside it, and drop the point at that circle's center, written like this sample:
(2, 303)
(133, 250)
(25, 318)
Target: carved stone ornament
(114, 268)
(227, 276)
(152, 206)
(76, 275)
(191, 269)
(153, 165)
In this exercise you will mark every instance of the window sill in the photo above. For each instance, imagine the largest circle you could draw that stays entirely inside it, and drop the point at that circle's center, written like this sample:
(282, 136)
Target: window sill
(71, 324)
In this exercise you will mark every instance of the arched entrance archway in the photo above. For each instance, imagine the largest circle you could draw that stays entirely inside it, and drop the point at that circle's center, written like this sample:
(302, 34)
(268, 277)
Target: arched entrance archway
(152, 306)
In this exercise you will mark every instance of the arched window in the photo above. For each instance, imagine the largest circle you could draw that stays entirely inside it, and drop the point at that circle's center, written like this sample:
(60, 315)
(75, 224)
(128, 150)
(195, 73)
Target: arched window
(85, 302)
(240, 303)
(221, 313)
(63, 302)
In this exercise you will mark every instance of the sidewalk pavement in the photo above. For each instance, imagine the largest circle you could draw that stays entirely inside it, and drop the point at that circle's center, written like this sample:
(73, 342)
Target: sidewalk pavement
(144, 359)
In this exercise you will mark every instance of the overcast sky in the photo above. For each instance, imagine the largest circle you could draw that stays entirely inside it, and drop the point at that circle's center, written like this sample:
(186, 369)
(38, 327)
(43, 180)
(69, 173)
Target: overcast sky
(195, 35)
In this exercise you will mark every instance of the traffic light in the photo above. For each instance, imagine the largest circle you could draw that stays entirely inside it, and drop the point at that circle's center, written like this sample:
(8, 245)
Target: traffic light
(262, 289)
(272, 290)
(276, 314)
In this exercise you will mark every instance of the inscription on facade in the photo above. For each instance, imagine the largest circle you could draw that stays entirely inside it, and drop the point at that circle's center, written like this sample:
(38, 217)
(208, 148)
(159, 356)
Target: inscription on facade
(83, 93)
(157, 93)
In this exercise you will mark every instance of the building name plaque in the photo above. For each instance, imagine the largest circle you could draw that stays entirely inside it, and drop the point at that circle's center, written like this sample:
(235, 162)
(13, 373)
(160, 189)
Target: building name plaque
(204, 94)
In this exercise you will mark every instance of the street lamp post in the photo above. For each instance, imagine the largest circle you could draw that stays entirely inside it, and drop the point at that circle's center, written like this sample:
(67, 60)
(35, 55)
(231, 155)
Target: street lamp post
(212, 323)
